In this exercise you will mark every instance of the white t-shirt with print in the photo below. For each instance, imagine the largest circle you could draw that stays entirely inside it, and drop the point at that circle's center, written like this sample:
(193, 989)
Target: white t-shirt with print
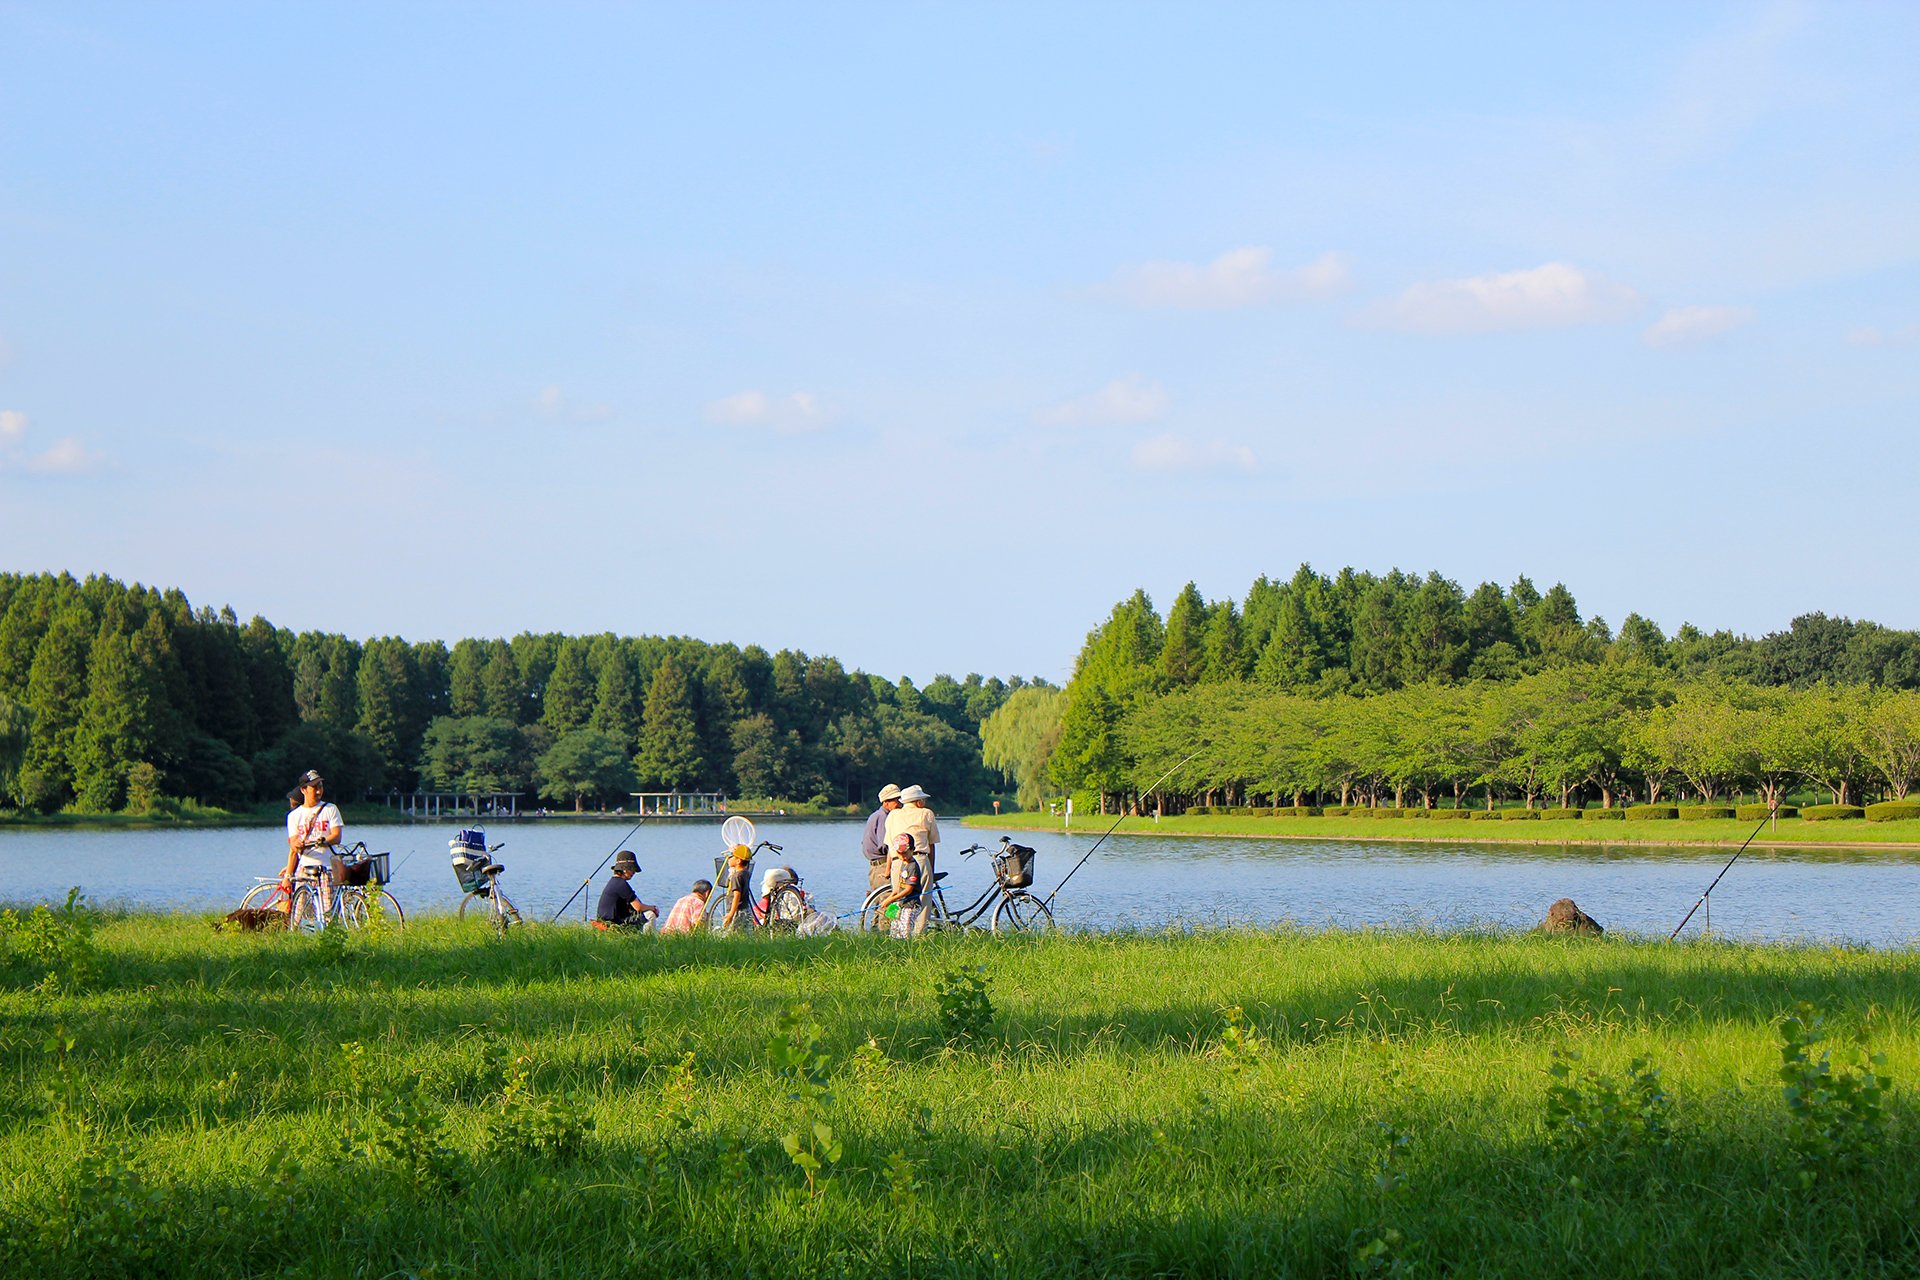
(308, 825)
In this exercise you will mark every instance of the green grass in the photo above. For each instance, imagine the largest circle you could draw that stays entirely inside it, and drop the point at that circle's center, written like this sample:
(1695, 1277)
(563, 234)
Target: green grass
(1109, 1123)
(1667, 831)
(189, 813)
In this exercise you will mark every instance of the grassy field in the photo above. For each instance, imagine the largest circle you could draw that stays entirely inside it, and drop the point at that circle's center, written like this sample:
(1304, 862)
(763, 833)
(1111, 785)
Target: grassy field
(564, 1103)
(1663, 831)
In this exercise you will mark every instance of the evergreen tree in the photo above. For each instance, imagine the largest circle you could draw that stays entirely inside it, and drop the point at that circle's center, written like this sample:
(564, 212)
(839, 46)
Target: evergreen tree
(1224, 658)
(1182, 654)
(466, 680)
(671, 752)
(340, 690)
(56, 688)
(29, 613)
(614, 709)
(504, 694)
(116, 719)
(568, 702)
(1292, 659)
(269, 686)
(391, 707)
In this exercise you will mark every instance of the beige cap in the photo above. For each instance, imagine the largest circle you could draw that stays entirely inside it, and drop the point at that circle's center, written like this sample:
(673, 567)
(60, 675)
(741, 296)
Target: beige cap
(889, 792)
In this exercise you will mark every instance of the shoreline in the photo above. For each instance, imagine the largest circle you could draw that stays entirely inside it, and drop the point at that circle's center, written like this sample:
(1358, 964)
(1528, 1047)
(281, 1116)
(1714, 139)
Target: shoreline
(1906, 839)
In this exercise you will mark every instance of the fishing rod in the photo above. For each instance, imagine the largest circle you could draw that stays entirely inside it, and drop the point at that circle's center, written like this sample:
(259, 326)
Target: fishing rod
(596, 871)
(1723, 871)
(1116, 826)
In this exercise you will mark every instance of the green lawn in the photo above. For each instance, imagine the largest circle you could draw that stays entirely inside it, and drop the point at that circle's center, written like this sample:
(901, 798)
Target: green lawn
(1378, 1107)
(1666, 831)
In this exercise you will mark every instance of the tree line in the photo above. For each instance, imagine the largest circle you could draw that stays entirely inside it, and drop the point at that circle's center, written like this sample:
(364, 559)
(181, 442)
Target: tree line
(1395, 686)
(114, 695)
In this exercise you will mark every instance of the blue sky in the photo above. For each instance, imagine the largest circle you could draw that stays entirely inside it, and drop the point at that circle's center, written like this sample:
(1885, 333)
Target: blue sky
(920, 334)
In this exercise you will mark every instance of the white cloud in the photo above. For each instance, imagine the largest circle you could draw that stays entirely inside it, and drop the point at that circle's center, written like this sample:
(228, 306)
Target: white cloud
(1868, 336)
(1128, 399)
(1553, 296)
(13, 426)
(550, 403)
(1684, 326)
(788, 415)
(67, 457)
(1172, 452)
(1237, 278)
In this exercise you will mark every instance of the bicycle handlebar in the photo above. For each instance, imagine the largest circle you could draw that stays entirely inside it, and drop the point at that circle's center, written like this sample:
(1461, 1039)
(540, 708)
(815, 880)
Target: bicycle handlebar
(768, 844)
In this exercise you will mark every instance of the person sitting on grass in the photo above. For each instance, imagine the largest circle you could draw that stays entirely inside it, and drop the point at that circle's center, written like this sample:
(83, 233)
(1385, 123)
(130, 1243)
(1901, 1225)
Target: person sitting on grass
(620, 907)
(690, 912)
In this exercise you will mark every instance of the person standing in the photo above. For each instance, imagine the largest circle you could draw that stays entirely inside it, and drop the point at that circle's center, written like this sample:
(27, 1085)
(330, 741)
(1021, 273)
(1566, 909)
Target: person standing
(313, 832)
(620, 907)
(915, 819)
(873, 840)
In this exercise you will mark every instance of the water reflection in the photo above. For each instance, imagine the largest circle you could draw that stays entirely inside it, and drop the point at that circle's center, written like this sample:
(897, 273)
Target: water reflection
(1141, 881)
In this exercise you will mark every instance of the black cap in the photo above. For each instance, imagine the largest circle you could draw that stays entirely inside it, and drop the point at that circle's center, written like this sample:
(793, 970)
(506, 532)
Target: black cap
(625, 861)
(312, 778)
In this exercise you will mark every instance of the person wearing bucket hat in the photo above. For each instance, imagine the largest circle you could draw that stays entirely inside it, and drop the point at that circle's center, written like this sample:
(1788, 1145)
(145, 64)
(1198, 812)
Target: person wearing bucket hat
(915, 819)
(873, 840)
(620, 907)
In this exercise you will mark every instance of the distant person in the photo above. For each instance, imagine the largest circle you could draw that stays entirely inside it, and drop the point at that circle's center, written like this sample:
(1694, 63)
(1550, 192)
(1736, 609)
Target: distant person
(313, 832)
(873, 840)
(690, 912)
(915, 819)
(620, 907)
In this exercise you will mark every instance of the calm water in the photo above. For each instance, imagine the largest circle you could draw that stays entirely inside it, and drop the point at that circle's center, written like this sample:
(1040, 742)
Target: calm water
(1138, 881)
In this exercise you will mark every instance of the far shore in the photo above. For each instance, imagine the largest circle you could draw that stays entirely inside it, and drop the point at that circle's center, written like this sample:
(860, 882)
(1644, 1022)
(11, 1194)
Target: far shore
(1792, 833)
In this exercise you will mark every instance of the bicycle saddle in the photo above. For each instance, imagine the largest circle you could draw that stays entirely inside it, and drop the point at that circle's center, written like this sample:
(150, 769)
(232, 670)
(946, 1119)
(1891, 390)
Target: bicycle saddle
(492, 869)
(938, 876)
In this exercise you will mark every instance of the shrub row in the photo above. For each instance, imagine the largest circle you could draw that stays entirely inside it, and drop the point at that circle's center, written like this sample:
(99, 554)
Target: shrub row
(1889, 811)
(1893, 811)
(1652, 812)
(1704, 812)
(1830, 812)
(1755, 812)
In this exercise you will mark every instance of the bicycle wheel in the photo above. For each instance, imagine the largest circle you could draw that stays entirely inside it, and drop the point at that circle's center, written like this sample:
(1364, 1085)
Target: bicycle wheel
(1023, 913)
(508, 914)
(303, 911)
(785, 910)
(263, 897)
(390, 908)
(873, 919)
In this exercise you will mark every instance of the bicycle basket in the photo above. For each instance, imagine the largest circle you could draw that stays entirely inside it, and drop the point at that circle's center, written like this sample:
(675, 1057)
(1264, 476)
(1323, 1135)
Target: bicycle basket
(370, 869)
(1013, 866)
(466, 869)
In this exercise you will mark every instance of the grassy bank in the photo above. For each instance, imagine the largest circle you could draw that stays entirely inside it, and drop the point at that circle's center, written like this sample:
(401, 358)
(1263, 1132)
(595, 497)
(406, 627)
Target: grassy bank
(1663, 831)
(1237, 1104)
(189, 815)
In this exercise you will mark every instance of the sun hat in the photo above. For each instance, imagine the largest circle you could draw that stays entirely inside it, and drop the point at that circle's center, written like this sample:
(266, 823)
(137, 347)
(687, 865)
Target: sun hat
(625, 861)
(889, 792)
(914, 792)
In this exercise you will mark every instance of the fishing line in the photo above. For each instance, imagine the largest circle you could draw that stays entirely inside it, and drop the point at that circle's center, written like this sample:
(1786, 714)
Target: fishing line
(1116, 826)
(596, 871)
(1723, 871)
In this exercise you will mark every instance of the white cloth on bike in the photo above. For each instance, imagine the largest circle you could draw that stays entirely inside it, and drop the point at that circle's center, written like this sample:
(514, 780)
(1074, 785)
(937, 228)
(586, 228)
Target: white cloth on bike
(310, 825)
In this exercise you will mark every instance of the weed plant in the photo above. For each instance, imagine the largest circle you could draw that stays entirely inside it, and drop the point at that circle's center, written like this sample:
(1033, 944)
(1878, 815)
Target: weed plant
(562, 1102)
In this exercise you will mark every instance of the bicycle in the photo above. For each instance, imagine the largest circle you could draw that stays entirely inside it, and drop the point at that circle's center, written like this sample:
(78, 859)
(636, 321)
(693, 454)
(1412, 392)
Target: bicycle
(480, 877)
(1014, 909)
(786, 905)
(359, 894)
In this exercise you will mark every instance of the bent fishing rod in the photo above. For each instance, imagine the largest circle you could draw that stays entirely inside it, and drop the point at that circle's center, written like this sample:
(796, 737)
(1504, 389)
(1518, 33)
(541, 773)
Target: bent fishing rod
(1723, 871)
(1115, 827)
(596, 871)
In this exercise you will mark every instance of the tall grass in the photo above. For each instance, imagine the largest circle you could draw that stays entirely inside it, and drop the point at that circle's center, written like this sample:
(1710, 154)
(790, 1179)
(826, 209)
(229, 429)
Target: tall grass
(1227, 1103)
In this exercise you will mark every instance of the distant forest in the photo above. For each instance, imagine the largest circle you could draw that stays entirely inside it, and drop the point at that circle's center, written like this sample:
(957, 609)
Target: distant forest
(1316, 685)
(115, 696)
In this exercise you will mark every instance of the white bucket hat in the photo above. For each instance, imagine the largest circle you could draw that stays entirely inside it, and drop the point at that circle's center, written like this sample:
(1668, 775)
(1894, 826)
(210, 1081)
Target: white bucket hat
(889, 792)
(912, 793)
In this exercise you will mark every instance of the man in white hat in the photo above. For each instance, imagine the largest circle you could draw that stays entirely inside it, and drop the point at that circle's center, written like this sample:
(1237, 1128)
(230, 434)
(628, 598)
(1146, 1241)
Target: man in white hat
(913, 818)
(873, 840)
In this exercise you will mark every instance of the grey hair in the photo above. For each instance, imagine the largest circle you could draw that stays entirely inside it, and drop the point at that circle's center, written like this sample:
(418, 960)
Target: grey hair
(703, 886)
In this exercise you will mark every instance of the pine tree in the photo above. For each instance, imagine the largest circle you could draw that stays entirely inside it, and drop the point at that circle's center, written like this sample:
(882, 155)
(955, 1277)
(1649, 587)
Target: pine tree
(390, 712)
(670, 749)
(505, 695)
(340, 691)
(1182, 654)
(56, 688)
(568, 701)
(116, 720)
(1224, 658)
(614, 712)
(269, 685)
(466, 680)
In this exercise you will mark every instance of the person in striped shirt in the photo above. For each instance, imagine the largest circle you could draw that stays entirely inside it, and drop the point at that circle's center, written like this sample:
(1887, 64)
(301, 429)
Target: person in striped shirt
(688, 913)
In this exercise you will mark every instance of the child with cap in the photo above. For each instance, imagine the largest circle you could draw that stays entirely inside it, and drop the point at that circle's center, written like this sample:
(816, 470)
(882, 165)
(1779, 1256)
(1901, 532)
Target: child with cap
(734, 879)
(620, 907)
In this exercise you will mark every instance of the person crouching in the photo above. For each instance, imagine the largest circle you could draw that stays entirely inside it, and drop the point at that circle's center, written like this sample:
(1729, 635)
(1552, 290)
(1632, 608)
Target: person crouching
(620, 907)
(690, 912)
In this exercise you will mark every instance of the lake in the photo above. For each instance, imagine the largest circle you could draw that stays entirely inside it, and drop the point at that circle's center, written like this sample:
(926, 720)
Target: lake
(1133, 881)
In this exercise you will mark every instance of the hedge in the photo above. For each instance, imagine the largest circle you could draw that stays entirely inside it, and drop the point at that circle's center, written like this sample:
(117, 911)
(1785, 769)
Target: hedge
(1651, 812)
(1604, 815)
(1201, 810)
(1335, 811)
(1824, 812)
(1417, 813)
(1451, 815)
(1703, 812)
(1389, 813)
(1559, 815)
(1893, 810)
(1755, 812)
(1487, 815)
(1519, 815)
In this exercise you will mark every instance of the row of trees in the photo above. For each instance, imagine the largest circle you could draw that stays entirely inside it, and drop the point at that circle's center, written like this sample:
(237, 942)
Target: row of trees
(105, 686)
(1352, 648)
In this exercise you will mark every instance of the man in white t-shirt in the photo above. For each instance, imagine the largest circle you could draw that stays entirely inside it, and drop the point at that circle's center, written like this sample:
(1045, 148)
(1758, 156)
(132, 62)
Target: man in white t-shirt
(313, 831)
